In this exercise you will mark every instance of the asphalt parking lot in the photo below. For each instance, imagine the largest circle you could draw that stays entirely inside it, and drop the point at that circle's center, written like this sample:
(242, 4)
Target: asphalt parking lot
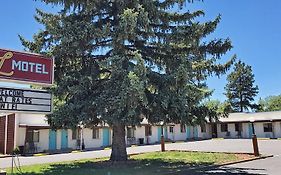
(270, 166)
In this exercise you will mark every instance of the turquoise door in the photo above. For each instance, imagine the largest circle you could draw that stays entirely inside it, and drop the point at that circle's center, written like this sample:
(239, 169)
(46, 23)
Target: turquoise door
(187, 132)
(64, 139)
(195, 132)
(159, 133)
(52, 139)
(105, 133)
(250, 130)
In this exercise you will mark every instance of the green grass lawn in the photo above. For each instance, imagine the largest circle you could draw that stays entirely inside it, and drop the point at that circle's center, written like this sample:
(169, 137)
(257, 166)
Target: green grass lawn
(149, 164)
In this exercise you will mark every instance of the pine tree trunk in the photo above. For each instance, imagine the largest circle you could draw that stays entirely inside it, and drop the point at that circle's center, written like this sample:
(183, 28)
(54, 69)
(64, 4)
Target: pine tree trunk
(119, 152)
(241, 103)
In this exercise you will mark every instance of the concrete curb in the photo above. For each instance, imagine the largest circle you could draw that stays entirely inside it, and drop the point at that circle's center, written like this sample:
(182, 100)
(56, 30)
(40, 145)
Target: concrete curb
(210, 152)
(5, 156)
(247, 160)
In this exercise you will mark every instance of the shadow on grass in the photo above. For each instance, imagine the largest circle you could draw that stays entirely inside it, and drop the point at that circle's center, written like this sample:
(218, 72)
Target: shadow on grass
(137, 167)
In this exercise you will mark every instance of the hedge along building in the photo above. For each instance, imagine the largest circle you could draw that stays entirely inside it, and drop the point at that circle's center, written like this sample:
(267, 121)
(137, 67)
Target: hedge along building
(21, 109)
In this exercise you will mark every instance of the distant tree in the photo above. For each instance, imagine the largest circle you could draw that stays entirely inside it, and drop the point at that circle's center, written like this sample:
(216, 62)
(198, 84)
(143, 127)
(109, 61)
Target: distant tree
(240, 89)
(214, 109)
(271, 103)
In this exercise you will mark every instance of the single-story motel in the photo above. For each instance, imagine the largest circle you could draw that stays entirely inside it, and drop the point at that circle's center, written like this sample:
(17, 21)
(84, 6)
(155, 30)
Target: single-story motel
(32, 134)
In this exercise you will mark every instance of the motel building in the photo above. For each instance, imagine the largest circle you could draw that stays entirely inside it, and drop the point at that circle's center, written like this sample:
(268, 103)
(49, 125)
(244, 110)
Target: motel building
(32, 134)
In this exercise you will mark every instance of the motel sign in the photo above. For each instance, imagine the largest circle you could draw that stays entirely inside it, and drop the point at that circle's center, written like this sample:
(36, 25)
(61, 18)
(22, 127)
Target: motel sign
(26, 67)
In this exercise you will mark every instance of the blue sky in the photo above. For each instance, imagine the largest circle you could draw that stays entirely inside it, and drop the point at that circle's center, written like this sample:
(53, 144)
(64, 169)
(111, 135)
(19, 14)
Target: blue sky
(254, 26)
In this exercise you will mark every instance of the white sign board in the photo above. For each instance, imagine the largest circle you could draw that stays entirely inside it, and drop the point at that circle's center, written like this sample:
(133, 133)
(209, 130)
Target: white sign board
(25, 100)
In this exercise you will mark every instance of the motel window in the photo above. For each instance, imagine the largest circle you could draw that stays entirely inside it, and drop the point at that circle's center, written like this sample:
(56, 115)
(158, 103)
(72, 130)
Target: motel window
(148, 130)
(130, 132)
(96, 133)
(183, 129)
(203, 127)
(267, 127)
(76, 134)
(224, 127)
(171, 129)
(33, 136)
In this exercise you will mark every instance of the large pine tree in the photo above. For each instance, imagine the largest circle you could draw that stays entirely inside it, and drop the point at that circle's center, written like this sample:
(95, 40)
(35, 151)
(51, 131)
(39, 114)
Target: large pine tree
(120, 60)
(240, 89)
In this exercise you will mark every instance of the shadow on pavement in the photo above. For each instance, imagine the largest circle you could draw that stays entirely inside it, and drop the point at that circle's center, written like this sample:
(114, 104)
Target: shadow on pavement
(230, 171)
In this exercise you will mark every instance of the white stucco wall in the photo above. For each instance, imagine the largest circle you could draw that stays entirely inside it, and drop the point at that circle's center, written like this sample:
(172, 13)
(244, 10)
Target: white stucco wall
(110, 136)
(207, 134)
(154, 137)
(72, 143)
(245, 130)
(260, 131)
(43, 143)
(232, 132)
(89, 141)
(277, 129)
(16, 131)
(220, 134)
(171, 135)
(178, 134)
(21, 136)
(140, 133)
(32, 119)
